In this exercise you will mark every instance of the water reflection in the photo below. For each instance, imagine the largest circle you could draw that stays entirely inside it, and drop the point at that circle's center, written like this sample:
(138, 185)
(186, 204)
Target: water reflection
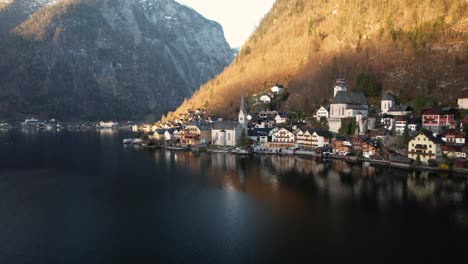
(337, 183)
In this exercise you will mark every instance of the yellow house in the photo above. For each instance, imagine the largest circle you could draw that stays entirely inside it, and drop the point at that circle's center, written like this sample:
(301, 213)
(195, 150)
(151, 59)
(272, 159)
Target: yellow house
(425, 145)
(463, 101)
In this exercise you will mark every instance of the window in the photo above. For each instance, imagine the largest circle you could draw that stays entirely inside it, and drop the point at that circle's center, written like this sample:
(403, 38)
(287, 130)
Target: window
(229, 136)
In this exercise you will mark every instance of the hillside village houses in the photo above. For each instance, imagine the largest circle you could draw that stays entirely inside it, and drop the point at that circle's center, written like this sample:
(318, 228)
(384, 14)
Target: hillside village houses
(272, 129)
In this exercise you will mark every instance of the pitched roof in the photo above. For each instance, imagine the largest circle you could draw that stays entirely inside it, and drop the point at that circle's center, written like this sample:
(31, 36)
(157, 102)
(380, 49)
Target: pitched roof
(430, 136)
(357, 98)
(401, 107)
(388, 96)
(323, 133)
(225, 125)
(463, 95)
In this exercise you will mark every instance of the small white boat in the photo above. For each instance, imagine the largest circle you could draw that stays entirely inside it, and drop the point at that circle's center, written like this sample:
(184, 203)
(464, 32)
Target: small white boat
(127, 141)
(137, 141)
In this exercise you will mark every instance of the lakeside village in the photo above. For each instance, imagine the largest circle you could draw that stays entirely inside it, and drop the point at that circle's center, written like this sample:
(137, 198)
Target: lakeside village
(435, 138)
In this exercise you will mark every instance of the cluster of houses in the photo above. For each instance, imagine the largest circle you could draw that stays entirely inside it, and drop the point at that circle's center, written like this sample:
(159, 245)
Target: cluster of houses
(433, 134)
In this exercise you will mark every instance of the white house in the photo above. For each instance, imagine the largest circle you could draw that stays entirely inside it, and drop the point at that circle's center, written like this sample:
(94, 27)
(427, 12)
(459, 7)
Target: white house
(322, 112)
(276, 89)
(283, 135)
(226, 133)
(400, 110)
(281, 118)
(387, 102)
(171, 134)
(265, 99)
(321, 139)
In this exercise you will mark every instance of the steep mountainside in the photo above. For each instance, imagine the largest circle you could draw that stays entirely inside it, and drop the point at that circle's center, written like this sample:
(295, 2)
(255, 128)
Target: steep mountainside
(13, 12)
(417, 49)
(113, 59)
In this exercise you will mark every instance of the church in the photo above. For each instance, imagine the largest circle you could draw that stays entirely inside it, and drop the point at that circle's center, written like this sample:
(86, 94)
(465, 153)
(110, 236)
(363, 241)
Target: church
(227, 133)
(346, 104)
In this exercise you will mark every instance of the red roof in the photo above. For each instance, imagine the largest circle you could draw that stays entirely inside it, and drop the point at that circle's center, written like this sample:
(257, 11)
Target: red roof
(463, 95)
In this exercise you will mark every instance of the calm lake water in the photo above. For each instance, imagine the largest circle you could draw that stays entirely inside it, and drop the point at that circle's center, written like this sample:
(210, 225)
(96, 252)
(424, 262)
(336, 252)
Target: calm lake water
(84, 198)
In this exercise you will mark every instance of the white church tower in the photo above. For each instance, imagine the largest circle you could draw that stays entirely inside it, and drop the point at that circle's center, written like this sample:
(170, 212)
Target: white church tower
(243, 113)
(388, 101)
(340, 86)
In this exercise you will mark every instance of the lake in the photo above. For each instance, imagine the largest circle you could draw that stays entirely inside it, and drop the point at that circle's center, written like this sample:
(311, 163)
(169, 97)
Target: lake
(83, 197)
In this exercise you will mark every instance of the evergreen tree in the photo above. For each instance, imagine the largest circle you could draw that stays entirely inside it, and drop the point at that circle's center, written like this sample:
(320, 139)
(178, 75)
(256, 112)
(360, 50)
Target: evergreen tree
(244, 140)
(406, 136)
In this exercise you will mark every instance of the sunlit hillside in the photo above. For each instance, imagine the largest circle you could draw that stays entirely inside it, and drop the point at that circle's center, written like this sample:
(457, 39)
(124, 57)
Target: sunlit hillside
(414, 48)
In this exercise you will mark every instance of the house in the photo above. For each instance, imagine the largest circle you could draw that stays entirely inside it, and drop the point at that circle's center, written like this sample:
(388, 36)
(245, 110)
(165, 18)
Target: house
(226, 133)
(277, 89)
(434, 119)
(265, 123)
(265, 99)
(196, 133)
(324, 111)
(454, 150)
(379, 133)
(400, 110)
(282, 138)
(321, 139)
(388, 121)
(158, 134)
(341, 145)
(260, 135)
(304, 138)
(463, 100)
(283, 135)
(402, 122)
(347, 105)
(281, 118)
(387, 102)
(365, 145)
(267, 114)
(426, 146)
(171, 134)
(452, 136)
(213, 119)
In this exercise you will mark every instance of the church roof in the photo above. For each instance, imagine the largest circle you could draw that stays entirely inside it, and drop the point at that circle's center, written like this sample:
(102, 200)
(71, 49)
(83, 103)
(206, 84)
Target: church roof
(354, 98)
(388, 96)
(225, 125)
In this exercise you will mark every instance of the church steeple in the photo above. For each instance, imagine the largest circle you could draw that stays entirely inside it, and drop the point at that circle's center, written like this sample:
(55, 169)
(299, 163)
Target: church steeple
(243, 112)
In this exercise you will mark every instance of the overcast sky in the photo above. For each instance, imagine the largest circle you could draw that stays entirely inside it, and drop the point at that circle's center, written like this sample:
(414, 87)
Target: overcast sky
(238, 17)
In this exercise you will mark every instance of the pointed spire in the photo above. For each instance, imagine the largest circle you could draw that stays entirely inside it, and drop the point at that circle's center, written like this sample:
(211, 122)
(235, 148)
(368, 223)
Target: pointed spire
(243, 106)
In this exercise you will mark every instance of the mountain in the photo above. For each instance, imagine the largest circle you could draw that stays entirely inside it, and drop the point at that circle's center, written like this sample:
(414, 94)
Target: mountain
(416, 49)
(107, 59)
(14, 12)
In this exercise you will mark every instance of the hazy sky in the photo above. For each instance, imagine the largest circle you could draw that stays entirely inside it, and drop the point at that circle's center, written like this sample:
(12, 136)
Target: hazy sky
(238, 17)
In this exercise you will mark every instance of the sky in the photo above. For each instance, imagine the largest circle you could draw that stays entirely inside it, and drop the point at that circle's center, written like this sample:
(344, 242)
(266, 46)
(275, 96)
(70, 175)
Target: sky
(238, 17)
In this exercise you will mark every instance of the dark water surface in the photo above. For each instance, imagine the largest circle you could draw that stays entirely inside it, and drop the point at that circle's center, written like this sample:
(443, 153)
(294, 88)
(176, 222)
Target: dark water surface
(84, 198)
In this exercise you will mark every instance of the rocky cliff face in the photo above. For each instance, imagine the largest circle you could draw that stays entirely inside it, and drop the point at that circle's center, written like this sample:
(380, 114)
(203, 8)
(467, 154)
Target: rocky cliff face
(114, 59)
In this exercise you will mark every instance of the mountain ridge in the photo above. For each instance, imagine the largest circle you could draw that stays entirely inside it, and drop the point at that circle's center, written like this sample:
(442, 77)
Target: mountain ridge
(108, 59)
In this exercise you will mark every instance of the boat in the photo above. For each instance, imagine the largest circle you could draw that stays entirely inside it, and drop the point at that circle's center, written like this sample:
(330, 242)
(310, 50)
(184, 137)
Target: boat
(127, 141)
(33, 123)
(137, 141)
(242, 151)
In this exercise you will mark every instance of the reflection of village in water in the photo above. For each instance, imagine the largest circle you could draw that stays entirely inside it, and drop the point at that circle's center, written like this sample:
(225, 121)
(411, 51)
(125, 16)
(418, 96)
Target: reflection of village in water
(335, 182)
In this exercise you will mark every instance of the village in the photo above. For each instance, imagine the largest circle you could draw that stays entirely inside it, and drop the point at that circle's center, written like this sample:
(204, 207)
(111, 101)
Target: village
(348, 128)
